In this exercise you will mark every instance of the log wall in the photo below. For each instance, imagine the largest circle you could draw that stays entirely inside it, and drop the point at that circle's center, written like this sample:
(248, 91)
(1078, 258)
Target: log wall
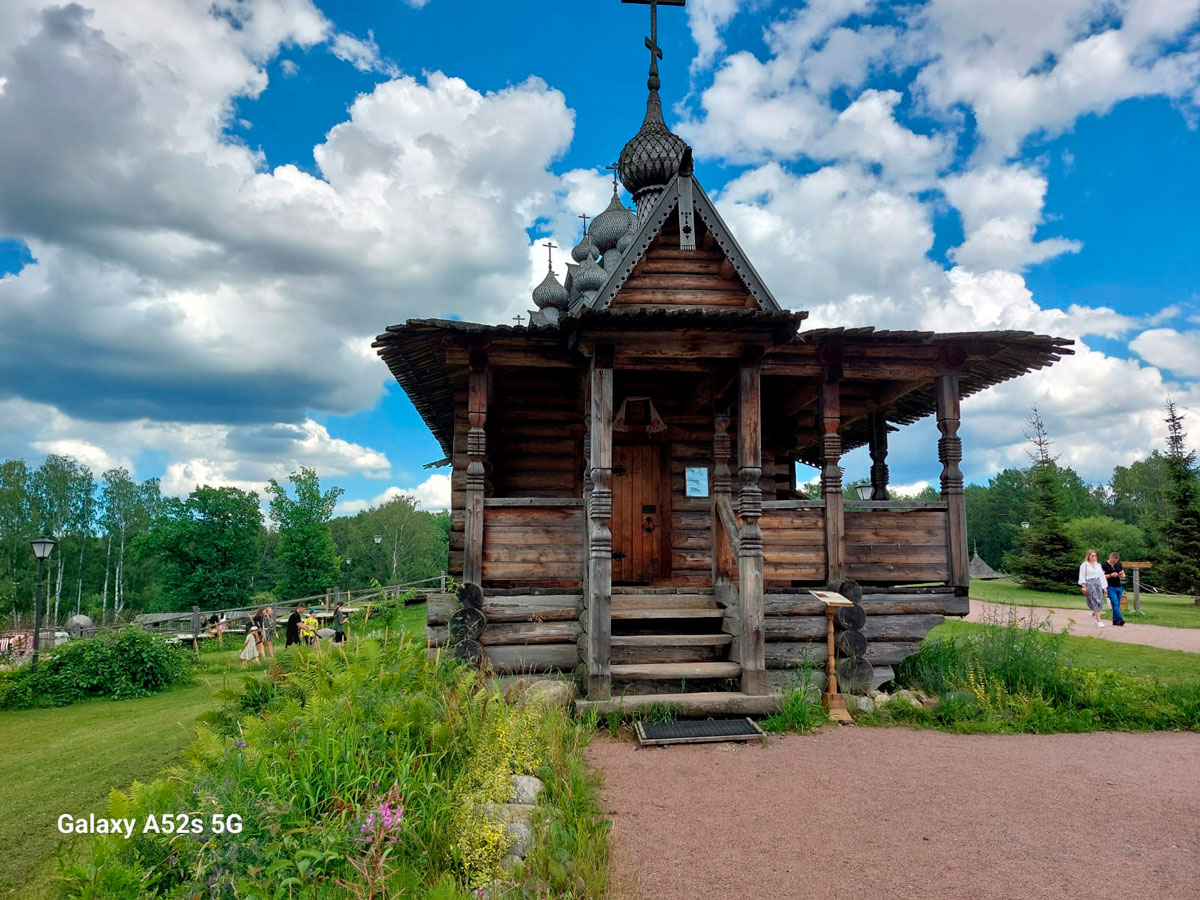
(897, 620)
(793, 543)
(527, 633)
(533, 544)
(897, 545)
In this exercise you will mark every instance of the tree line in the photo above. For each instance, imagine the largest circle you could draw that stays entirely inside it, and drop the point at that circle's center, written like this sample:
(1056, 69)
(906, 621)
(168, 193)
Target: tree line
(123, 548)
(1037, 522)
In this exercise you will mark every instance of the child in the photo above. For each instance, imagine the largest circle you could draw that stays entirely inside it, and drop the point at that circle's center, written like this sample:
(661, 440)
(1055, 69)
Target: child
(310, 628)
(250, 650)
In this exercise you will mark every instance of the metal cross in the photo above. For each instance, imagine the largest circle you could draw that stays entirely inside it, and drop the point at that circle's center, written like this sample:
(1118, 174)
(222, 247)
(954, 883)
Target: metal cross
(613, 169)
(550, 248)
(518, 318)
(652, 41)
(585, 217)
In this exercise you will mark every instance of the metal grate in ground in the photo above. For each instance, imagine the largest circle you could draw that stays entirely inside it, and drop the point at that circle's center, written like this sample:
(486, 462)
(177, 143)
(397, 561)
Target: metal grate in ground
(697, 731)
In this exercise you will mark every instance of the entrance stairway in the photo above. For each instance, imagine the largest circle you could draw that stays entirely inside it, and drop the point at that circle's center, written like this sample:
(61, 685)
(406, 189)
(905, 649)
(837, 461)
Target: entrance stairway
(671, 648)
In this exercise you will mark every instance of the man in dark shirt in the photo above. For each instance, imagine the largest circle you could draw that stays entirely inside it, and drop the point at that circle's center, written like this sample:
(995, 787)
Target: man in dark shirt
(293, 627)
(1115, 574)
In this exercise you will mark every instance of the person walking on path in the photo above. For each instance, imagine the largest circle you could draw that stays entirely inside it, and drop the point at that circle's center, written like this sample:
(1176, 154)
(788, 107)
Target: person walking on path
(309, 627)
(292, 629)
(1093, 583)
(339, 624)
(1114, 573)
(251, 650)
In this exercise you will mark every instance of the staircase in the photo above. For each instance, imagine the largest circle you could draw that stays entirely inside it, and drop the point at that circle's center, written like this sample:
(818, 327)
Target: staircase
(672, 648)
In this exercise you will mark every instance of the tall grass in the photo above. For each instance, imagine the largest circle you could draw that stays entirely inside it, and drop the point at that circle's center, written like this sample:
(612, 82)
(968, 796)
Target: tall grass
(313, 756)
(1015, 676)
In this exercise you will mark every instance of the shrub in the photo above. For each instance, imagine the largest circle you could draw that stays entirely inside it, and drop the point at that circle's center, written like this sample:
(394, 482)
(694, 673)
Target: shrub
(120, 665)
(1015, 677)
(333, 736)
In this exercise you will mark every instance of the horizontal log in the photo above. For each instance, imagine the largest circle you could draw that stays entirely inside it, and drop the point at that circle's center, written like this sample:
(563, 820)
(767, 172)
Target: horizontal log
(544, 517)
(795, 653)
(850, 643)
(538, 502)
(799, 604)
(523, 658)
(650, 266)
(529, 633)
(900, 627)
(896, 573)
(533, 572)
(676, 282)
(845, 617)
(913, 604)
(436, 636)
(794, 555)
(565, 551)
(694, 705)
(794, 628)
(855, 506)
(888, 653)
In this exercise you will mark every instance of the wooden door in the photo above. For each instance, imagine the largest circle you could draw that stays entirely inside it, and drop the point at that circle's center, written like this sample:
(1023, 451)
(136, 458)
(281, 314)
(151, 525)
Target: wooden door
(638, 515)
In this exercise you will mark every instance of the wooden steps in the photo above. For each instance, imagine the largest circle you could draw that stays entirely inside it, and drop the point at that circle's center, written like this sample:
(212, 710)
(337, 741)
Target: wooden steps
(699, 705)
(675, 671)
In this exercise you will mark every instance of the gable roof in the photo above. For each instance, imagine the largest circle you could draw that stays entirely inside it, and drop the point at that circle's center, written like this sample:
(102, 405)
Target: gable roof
(682, 186)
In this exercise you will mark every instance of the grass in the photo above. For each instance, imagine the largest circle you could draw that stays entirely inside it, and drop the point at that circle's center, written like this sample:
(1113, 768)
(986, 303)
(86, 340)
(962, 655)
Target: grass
(1095, 654)
(1021, 677)
(1173, 610)
(68, 759)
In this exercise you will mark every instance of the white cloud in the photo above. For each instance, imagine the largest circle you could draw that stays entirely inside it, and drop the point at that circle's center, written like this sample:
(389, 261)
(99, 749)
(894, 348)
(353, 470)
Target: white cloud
(289, 67)
(1168, 348)
(707, 18)
(432, 494)
(363, 55)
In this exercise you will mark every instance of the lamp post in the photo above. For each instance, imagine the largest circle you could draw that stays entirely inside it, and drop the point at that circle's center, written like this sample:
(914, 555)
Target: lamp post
(378, 540)
(346, 578)
(42, 548)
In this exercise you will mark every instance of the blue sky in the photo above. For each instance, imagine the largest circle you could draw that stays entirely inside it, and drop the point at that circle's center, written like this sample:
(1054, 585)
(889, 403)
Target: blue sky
(207, 210)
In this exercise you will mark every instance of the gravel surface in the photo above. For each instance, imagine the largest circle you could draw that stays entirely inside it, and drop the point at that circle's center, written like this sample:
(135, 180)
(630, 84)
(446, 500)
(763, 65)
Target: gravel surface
(1131, 633)
(894, 813)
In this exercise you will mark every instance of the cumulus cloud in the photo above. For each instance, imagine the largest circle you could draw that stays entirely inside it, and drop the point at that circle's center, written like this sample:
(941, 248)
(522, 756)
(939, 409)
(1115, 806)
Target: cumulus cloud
(364, 55)
(432, 494)
(1168, 348)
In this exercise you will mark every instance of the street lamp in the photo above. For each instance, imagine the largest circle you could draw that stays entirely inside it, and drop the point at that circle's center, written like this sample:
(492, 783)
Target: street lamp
(378, 541)
(1025, 525)
(864, 491)
(346, 578)
(42, 548)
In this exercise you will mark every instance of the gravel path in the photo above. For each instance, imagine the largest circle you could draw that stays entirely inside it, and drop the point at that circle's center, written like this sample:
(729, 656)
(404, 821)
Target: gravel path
(1131, 633)
(898, 814)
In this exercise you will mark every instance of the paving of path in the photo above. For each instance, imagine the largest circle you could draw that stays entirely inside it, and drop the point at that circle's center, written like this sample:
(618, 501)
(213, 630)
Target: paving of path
(1079, 622)
(897, 814)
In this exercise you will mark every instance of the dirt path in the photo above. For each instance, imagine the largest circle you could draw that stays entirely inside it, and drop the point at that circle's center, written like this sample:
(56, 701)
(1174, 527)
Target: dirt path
(1131, 633)
(896, 814)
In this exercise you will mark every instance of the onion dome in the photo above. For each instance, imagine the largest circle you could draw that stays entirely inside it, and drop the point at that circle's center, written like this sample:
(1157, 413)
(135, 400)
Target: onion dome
(585, 249)
(608, 227)
(611, 259)
(550, 293)
(629, 236)
(589, 277)
(652, 156)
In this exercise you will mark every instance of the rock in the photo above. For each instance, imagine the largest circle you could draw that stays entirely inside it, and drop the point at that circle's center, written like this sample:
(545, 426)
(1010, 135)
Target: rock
(549, 693)
(908, 697)
(862, 704)
(521, 836)
(526, 789)
(519, 812)
(511, 861)
(930, 702)
(515, 688)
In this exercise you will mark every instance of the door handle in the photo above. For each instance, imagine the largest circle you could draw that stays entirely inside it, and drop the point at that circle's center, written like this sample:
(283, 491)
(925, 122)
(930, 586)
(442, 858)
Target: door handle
(648, 525)
(618, 554)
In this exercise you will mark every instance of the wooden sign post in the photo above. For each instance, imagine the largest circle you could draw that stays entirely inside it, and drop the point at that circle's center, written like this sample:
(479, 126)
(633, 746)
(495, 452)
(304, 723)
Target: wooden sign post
(1136, 567)
(832, 700)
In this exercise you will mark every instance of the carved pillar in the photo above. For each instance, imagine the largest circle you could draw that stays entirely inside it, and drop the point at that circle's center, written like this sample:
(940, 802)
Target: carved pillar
(877, 439)
(587, 502)
(476, 471)
(831, 480)
(750, 543)
(599, 600)
(723, 563)
(950, 454)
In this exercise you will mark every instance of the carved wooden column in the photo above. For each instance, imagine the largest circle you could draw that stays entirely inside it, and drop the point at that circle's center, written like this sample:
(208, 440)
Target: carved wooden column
(599, 600)
(950, 454)
(831, 478)
(752, 640)
(723, 562)
(476, 471)
(877, 439)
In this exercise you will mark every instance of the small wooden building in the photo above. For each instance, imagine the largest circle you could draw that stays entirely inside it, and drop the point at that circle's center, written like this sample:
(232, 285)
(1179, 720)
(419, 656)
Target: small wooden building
(623, 467)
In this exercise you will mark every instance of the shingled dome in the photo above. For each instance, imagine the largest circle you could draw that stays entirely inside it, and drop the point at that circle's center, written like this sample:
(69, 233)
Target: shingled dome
(652, 156)
(608, 227)
(550, 293)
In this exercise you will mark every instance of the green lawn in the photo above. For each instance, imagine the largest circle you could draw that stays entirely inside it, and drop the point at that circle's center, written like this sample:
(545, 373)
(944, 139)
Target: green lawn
(1174, 610)
(1095, 654)
(66, 760)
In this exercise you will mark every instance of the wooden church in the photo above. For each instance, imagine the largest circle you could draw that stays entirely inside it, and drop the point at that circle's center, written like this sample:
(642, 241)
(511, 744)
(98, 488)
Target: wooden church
(624, 487)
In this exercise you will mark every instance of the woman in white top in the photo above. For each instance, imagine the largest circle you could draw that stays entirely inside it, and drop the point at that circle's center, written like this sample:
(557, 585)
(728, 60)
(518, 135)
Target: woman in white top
(1092, 582)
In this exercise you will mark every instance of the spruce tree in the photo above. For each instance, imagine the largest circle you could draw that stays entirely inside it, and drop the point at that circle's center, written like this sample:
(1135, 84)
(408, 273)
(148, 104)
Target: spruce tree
(1044, 559)
(1181, 562)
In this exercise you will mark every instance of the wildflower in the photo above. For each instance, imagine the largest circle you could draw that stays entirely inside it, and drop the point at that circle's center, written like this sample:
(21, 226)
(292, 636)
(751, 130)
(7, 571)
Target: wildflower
(239, 744)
